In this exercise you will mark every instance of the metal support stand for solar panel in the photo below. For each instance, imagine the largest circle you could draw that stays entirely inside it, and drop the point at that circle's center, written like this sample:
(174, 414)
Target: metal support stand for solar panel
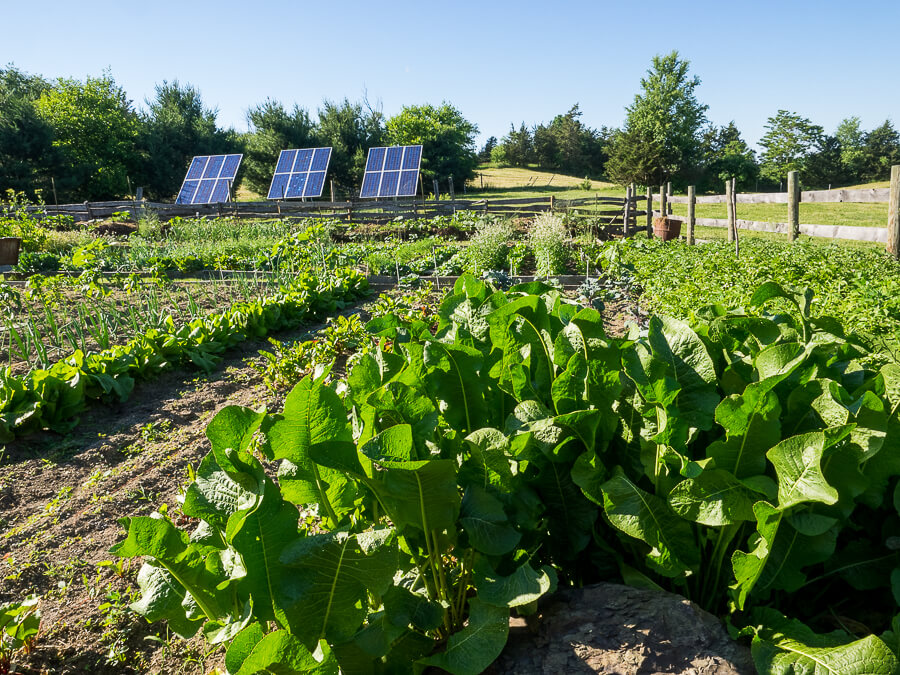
(422, 188)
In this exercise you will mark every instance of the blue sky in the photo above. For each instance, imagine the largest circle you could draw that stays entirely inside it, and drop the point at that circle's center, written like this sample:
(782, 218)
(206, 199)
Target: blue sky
(498, 62)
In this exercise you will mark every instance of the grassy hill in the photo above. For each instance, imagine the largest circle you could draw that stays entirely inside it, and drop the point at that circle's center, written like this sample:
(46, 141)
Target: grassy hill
(493, 181)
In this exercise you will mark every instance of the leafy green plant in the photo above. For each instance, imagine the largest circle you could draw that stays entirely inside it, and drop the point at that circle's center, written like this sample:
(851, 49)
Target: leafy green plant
(19, 626)
(747, 461)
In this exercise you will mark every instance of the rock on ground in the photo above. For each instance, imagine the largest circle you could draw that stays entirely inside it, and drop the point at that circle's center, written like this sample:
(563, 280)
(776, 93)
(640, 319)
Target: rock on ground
(608, 628)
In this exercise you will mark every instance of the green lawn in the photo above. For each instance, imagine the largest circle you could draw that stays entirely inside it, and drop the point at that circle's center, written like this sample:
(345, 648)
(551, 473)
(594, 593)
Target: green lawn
(721, 234)
(864, 215)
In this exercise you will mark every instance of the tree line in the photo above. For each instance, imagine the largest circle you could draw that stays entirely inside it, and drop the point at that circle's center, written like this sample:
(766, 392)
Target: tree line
(668, 137)
(95, 144)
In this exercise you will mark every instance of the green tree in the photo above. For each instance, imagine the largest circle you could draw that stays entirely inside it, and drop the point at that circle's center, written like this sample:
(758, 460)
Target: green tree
(97, 130)
(566, 144)
(484, 154)
(177, 127)
(881, 152)
(350, 129)
(852, 140)
(726, 155)
(516, 148)
(273, 129)
(447, 139)
(788, 142)
(28, 158)
(662, 134)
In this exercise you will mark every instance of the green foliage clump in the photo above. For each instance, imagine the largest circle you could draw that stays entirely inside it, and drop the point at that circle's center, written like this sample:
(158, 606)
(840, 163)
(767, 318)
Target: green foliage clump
(447, 139)
(97, 129)
(547, 238)
(662, 133)
(859, 288)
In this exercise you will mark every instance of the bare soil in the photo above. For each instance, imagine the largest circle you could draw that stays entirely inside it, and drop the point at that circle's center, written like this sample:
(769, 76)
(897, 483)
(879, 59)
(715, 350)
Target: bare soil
(61, 498)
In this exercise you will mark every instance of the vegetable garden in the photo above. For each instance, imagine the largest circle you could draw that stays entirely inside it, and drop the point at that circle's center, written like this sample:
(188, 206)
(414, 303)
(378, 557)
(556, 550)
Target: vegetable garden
(225, 454)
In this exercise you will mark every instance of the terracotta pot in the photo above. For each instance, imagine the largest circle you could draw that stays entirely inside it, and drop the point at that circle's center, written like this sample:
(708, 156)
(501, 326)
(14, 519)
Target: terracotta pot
(9, 250)
(666, 228)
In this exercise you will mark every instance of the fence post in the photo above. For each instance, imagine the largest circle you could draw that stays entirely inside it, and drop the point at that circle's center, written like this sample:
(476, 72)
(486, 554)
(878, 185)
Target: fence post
(649, 212)
(626, 217)
(663, 211)
(893, 242)
(793, 189)
(729, 206)
(691, 215)
(669, 194)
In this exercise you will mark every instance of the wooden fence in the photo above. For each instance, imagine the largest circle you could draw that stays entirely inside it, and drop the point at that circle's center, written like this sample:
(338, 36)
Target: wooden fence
(889, 235)
(612, 209)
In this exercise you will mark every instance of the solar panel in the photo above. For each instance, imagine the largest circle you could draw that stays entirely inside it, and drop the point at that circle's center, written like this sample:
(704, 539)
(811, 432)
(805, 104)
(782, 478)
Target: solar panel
(300, 173)
(209, 179)
(392, 172)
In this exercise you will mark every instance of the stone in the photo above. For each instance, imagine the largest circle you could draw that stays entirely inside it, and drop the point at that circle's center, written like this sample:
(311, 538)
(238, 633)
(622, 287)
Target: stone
(620, 630)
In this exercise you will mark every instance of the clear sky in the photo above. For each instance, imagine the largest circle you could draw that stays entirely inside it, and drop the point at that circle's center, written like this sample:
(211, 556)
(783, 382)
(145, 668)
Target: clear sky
(497, 61)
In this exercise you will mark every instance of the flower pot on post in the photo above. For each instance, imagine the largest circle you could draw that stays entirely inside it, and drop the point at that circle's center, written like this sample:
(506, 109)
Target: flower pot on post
(666, 228)
(9, 250)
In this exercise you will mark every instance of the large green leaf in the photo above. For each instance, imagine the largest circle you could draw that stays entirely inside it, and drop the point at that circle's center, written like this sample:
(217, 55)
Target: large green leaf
(752, 427)
(422, 494)
(278, 653)
(453, 379)
(644, 516)
(326, 592)
(476, 646)
(484, 521)
(196, 568)
(522, 587)
(313, 416)
(782, 645)
(797, 461)
(715, 498)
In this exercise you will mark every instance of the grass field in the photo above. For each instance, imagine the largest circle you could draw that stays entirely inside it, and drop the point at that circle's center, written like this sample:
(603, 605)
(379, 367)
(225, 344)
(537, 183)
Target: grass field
(865, 215)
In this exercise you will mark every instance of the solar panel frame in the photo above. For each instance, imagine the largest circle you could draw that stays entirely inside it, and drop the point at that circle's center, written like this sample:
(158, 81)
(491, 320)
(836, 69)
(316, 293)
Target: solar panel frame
(392, 171)
(300, 173)
(208, 179)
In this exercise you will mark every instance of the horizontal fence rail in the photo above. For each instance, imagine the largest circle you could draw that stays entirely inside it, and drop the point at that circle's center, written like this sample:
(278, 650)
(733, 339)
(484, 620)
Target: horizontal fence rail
(348, 210)
(889, 235)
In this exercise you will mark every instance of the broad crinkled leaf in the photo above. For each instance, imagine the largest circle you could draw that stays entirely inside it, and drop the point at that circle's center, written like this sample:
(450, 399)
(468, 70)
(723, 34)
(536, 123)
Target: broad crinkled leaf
(325, 594)
(476, 646)
(752, 427)
(715, 498)
(522, 587)
(484, 521)
(782, 645)
(797, 461)
(648, 518)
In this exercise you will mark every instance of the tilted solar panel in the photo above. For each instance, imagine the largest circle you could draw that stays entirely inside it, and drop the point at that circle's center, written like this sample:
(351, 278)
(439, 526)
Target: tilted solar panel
(209, 179)
(392, 172)
(300, 173)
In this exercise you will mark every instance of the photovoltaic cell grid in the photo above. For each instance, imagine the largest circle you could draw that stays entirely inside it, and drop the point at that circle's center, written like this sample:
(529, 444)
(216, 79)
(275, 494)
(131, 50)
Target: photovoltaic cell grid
(392, 172)
(208, 179)
(300, 173)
